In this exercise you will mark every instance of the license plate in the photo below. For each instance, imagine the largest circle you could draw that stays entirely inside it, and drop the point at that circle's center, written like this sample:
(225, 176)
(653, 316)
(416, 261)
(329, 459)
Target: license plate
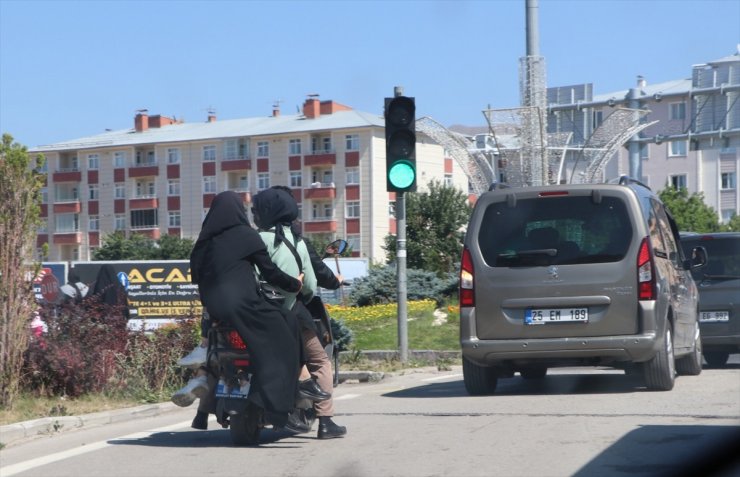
(714, 316)
(540, 316)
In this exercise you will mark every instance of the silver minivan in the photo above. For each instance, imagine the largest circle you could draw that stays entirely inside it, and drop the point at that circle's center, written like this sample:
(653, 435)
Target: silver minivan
(576, 275)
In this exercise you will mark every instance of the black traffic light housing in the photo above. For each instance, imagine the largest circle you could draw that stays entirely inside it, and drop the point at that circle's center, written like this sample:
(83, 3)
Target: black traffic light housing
(400, 144)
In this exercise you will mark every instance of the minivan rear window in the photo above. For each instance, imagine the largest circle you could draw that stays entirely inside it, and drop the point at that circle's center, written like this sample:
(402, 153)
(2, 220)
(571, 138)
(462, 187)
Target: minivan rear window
(555, 231)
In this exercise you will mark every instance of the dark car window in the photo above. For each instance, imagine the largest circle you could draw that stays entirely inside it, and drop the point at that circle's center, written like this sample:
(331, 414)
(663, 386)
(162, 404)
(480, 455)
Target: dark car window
(723, 257)
(555, 231)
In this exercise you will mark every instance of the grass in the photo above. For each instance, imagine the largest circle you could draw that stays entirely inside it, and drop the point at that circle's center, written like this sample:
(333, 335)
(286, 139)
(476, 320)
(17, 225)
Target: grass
(373, 328)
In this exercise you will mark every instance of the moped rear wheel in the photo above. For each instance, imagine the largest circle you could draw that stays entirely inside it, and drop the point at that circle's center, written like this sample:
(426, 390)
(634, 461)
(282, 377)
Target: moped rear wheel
(245, 427)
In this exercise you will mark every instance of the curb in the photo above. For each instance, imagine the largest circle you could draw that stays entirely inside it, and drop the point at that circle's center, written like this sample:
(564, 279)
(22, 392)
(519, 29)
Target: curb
(48, 426)
(53, 425)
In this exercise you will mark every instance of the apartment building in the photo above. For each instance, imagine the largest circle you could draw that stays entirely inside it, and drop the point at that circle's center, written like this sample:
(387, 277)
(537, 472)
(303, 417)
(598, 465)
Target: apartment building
(695, 143)
(160, 176)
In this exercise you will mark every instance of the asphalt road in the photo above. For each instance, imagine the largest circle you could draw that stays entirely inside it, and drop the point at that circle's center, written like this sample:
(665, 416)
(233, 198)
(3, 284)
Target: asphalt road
(577, 421)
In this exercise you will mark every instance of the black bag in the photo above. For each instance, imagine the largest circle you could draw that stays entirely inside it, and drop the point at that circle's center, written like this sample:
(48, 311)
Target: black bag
(271, 294)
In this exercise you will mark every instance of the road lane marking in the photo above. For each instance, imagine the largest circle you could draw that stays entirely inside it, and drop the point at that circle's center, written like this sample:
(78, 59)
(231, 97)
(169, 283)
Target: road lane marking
(446, 376)
(346, 396)
(56, 457)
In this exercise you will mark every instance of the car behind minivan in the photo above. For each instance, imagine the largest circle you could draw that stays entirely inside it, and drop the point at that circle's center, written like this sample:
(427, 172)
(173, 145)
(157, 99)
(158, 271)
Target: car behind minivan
(576, 275)
(719, 294)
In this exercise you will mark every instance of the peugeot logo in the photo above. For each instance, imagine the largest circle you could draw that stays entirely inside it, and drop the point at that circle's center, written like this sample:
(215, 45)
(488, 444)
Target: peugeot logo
(553, 271)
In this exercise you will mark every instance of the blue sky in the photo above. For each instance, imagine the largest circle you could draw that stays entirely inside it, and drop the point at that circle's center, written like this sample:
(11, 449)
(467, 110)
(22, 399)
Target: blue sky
(70, 69)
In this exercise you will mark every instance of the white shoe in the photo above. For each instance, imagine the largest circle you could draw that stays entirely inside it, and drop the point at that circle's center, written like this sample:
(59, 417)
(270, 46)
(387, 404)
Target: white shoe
(195, 358)
(195, 388)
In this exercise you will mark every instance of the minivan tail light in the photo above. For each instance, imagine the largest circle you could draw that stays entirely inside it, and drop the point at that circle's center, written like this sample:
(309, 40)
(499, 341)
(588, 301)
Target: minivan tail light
(645, 272)
(467, 288)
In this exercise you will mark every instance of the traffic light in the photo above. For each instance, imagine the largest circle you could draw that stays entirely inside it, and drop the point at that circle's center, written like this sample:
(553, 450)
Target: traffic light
(400, 144)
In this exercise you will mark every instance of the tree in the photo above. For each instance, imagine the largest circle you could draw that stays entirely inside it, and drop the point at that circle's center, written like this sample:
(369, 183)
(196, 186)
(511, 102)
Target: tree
(138, 247)
(20, 193)
(733, 225)
(434, 223)
(690, 212)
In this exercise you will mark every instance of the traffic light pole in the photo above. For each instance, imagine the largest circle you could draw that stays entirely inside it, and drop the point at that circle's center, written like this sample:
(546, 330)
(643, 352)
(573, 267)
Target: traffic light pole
(403, 338)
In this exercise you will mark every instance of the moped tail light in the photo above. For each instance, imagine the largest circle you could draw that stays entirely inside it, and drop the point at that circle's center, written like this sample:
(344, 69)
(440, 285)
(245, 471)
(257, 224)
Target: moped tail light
(236, 341)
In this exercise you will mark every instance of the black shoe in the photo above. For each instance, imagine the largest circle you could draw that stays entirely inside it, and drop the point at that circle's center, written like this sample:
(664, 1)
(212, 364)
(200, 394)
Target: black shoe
(200, 421)
(310, 389)
(295, 423)
(328, 429)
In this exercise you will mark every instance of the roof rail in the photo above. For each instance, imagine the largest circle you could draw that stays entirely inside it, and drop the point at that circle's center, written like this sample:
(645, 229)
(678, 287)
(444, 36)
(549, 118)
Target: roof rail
(624, 180)
(498, 185)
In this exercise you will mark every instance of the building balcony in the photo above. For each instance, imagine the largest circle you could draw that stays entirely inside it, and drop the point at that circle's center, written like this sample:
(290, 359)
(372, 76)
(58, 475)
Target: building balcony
(151, 232)
(146, 169)
(67, 237)
(68, 206)
(320, 158)
(328, 225)
(143, 203)
(320, 191)
(236, 164)
(67, 175)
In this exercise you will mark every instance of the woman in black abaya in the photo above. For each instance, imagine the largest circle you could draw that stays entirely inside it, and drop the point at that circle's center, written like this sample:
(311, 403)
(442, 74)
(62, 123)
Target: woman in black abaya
(222, 265)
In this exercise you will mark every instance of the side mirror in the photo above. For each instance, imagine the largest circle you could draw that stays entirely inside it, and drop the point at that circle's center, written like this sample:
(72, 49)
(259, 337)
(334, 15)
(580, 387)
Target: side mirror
(337, 247)
(698, 257)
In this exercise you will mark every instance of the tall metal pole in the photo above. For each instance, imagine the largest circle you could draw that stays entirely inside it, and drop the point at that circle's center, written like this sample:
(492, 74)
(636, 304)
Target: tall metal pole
(633, 146)
(403, 338)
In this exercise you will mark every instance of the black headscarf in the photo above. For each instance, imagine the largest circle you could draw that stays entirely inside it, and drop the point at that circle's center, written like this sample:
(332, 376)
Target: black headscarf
(226, 212)
(274, 207)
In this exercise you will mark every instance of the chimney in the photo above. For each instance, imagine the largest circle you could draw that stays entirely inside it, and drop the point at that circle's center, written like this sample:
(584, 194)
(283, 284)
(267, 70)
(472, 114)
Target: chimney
(311, 108)
(159, 121)
(211, 115)
(275, 110)
(641, 82)
(141, 121)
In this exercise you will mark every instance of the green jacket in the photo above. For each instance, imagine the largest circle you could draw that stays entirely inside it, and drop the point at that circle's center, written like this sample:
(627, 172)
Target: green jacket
(284, 259)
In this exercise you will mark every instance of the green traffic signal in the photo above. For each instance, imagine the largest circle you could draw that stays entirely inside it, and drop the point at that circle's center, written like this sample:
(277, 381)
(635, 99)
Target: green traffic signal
(402, 174)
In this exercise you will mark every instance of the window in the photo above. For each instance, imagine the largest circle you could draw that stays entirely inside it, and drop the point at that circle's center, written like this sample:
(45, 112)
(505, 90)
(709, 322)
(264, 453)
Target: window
(66, 223)
(242, 183)
(173, 155)
(728, 180)
(231, 148)
(353, 209)
(209, 153)
(263, 180)
(323, 177)
(352, 175)
(43, 226)
(353, 243)
(392, 208)
(119, 159)
(677, 110)
(173, 218)
(173, 187)
(448, 180)
(145, 158)
(144, 219)
(44, 195)
(145, 189)
(294, 147)
(678, 181)
(119, 190)
(322, 211)
(678, 148)
(352, 142)
(120, 222)
(93, 192)
(263, 149)
(93, 161)
(209, 185)
(727, 215)
(326, 143)
(93, 223)
(296, 179)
